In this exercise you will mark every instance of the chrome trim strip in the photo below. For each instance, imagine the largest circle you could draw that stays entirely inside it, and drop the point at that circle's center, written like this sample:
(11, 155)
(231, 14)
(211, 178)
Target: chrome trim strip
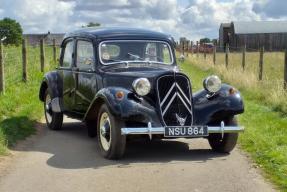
(184, 103)
(165, 98)
(169, 103)
(183, 93)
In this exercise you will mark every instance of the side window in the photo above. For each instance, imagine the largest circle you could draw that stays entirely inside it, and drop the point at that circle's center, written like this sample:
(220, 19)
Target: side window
(85, 54)
(67, 59)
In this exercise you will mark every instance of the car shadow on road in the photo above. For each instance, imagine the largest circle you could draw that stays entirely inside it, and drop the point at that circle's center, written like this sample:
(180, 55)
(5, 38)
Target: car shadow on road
(71, 148)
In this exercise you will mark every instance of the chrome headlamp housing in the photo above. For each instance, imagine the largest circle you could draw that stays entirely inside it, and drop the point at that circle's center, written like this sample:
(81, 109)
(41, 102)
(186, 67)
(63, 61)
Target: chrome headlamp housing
(212, 84)
(142, 86)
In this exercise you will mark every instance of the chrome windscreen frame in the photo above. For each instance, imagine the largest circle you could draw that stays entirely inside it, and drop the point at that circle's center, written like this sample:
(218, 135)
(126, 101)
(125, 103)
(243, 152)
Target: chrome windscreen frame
(152, 41)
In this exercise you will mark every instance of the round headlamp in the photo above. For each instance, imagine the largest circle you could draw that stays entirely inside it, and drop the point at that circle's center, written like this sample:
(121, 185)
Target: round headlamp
(212, 84)
(141, 86)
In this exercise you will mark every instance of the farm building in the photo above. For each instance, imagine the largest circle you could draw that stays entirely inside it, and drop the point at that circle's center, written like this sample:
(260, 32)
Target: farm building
(255, 34)
(34, 39)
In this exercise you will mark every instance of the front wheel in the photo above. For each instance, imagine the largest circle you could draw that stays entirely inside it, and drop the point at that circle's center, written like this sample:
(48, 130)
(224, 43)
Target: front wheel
(111, 143)
(53, 120)
(225, 144)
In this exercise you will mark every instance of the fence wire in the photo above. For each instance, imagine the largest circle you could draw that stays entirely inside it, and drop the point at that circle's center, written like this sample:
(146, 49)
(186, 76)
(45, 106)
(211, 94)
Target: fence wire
(273, 62)
(13, 64)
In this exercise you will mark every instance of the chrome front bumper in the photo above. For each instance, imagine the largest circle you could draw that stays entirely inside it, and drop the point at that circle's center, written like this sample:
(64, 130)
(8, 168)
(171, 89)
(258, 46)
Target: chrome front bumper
(160, 130)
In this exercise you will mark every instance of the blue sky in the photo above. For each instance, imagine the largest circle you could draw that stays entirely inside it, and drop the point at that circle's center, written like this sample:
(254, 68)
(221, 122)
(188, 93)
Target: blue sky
(190, 18)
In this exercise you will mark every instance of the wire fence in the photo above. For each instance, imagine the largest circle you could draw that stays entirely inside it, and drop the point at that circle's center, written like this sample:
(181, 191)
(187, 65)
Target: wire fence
(270, 68)
(15, 70)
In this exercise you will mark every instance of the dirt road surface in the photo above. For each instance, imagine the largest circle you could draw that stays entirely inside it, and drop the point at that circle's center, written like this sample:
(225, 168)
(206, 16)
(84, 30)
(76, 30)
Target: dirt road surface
(68, 161)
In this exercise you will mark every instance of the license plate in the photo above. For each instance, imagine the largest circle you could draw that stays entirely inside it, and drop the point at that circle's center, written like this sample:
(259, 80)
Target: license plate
(190, 131)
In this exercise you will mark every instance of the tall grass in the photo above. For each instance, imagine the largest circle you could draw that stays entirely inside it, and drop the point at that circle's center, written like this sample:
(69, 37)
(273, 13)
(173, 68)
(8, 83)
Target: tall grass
(270, 90)
(20, 106)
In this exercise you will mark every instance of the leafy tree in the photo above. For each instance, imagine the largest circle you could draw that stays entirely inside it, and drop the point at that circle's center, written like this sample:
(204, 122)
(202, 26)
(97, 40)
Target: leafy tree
(204, 40)
(92, 24)
(12, 30)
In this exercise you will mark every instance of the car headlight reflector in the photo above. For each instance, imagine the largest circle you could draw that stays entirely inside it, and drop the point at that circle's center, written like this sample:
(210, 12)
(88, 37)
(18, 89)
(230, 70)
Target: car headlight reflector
(141, 86)
(212, 84)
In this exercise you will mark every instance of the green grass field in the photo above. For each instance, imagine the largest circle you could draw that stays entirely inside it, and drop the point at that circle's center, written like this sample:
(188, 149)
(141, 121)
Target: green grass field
(269, 90)
(20, 106)
(265, 136)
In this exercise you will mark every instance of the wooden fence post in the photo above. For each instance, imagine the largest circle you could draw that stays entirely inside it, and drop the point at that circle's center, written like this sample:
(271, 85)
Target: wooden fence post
(204, 51)
(191, 47)
(54, 51)
(24, 61)
(261, 63)
(285, 70)
(2, 83)
(197, 49)
(214, 54)
(243, 57)
(182, 47)
(42, 55)
(226, 55)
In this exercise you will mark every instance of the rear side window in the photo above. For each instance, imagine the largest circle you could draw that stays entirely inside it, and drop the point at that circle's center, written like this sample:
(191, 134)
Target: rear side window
(68, 54)
(85, 54)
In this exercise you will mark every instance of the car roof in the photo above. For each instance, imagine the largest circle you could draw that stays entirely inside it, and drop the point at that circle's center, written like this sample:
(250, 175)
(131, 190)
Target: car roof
(117, 32)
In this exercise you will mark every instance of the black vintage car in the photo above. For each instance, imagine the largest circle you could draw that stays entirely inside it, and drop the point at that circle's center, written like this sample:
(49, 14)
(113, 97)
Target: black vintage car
(125, 82)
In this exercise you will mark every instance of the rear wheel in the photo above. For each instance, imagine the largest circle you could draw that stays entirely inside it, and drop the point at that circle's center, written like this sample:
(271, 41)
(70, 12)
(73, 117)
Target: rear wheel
(53, 120)
(227, 143)
(111, 143)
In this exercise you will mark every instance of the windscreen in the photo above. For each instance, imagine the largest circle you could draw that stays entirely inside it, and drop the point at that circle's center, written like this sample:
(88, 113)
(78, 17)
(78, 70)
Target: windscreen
(133, 51)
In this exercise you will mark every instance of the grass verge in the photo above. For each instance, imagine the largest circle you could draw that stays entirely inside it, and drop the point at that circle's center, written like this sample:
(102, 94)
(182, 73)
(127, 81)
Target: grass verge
(20, 105)
(265, 136)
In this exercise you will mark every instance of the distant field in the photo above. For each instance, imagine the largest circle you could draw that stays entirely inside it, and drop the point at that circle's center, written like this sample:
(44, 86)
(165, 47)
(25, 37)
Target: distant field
(20, 106)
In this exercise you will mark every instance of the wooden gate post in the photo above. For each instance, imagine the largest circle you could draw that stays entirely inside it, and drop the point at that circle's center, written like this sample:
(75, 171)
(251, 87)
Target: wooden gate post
(54, 51)
(261, 63)
(226, 56)
(243, 57)
(42, 55)
(2, 83)
(24, 61)
(285, 70)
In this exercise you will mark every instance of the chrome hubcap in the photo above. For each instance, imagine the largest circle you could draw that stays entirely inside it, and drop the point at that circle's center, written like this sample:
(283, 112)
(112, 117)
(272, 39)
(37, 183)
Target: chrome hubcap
(48, 110)
(105, 131)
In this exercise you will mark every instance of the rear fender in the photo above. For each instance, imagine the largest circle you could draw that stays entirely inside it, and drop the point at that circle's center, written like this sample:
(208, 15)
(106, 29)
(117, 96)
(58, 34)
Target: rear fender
(54, 84)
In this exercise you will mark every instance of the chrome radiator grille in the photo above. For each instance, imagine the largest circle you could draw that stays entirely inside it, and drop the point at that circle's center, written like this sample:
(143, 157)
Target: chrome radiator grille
(175, 101)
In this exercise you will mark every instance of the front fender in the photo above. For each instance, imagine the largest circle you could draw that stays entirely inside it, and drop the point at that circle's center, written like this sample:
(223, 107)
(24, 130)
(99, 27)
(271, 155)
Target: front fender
(219, 107)
(53, 82)
(130, 108)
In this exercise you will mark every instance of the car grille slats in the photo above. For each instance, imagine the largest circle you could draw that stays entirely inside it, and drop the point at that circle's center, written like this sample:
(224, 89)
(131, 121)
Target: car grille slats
(174, 99)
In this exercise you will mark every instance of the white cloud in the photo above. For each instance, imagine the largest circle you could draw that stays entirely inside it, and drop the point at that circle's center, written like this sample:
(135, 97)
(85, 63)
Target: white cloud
(40, 15)
(200, 18)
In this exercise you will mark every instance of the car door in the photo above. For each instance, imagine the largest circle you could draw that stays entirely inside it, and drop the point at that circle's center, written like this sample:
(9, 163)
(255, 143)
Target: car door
(66, 71)
(86, 84)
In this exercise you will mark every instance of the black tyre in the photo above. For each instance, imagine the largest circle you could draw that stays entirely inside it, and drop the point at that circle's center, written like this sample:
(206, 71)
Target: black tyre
(54, 120)
(92, 128)
(227, 143)
(111, 143)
